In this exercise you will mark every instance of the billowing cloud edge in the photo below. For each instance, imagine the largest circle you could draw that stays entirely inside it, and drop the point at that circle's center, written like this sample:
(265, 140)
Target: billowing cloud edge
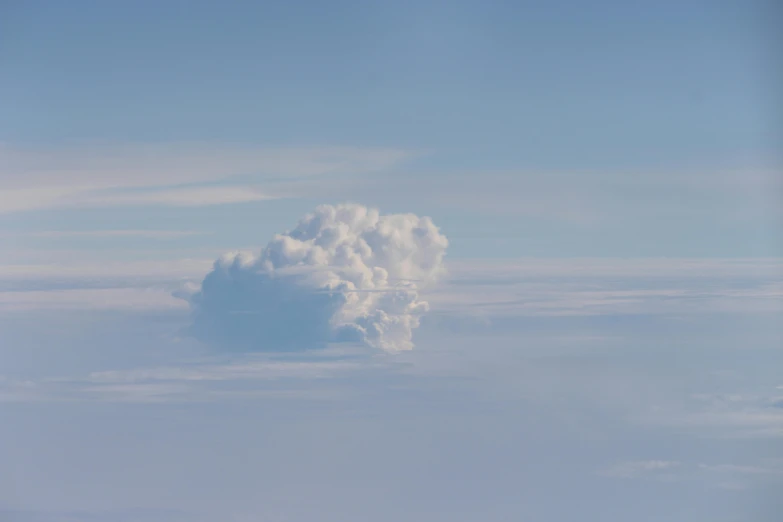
(345, 273)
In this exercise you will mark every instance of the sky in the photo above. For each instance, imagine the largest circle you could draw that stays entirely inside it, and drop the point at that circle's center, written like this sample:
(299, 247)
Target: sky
(466, 261)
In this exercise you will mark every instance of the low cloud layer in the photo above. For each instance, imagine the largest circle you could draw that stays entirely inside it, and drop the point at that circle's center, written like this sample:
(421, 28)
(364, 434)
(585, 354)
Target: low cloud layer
(345, 273)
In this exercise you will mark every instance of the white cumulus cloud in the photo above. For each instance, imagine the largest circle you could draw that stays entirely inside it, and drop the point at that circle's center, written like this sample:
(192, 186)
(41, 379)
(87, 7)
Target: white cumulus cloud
(345, 273)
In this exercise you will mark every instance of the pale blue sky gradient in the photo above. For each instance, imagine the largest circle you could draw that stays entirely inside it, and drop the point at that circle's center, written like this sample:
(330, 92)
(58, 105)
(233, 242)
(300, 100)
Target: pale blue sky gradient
(597, 103)
(605, 346)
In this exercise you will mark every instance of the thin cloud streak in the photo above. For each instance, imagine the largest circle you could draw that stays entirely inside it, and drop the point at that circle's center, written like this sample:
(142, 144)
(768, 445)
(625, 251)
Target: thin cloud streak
(148, 234)
(100, 175)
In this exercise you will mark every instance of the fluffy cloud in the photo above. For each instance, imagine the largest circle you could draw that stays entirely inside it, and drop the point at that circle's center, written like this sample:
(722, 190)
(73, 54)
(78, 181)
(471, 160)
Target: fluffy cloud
(345, 273)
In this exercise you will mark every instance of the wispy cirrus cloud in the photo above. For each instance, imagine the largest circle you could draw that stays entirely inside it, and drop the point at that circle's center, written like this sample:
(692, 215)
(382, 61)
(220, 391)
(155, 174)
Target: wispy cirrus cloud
(253, 369)
(722, 476)
(174, 197)
(86, 268)
(743, 469)
(114, 515)
(575, 197)
(641, 468)
(172, 174)
(16, 200)
(522, 288)
(127, 299)
(738, 415)
(109, 233)
(206, 381)
(601, 287)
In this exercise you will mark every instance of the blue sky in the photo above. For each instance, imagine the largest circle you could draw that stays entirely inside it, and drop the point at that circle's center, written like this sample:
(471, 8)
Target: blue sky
(579, 110)
(600, 341)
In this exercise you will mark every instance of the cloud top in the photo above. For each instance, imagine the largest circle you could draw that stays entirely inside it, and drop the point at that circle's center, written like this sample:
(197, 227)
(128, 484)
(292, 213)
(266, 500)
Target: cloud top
(345, 273)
